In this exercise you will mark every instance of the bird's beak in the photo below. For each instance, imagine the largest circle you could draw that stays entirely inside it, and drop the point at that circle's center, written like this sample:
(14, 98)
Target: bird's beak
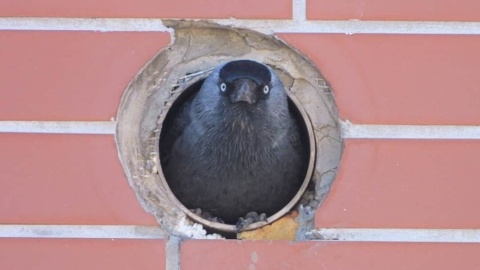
(244, 93)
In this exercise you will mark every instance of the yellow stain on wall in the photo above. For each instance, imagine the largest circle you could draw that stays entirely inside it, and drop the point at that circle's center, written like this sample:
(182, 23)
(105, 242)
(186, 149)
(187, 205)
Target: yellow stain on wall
(283, 229)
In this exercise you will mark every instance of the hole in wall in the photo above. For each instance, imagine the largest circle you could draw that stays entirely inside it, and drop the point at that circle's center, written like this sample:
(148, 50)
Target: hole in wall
(295, 192)
(176, 73)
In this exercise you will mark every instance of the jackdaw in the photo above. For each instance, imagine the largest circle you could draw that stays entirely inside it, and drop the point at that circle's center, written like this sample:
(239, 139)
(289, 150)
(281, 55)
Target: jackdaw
(234, 149)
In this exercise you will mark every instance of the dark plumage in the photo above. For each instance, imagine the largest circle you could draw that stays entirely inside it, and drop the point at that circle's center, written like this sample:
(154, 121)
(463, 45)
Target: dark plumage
(234, 147)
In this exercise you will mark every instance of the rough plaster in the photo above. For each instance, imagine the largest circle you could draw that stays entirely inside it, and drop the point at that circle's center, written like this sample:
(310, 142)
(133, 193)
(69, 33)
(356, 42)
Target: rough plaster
(200, 46)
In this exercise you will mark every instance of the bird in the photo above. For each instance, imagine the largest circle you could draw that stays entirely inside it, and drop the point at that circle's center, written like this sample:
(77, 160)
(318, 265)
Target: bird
(234, 150)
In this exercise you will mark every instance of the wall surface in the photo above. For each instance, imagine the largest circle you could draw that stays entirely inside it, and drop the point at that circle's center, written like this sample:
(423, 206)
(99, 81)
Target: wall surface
(405, 78)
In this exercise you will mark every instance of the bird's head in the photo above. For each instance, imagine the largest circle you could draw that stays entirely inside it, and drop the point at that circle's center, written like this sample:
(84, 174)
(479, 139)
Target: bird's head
(245, 81)
(243, 89)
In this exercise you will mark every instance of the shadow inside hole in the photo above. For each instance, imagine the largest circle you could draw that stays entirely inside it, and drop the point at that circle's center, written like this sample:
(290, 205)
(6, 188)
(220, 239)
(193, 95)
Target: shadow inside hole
(165, 147)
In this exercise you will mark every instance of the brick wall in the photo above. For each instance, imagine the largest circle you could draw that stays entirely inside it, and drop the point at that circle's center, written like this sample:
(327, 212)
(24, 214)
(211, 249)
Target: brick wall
(405, 74)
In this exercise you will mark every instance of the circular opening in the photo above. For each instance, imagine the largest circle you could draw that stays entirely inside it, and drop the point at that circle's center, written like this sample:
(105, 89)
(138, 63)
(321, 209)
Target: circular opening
(306, 130)
(198, 46)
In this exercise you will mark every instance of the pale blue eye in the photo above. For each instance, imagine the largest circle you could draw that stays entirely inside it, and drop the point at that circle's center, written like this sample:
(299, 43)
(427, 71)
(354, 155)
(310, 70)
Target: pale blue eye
(266, 89)
(223, 87)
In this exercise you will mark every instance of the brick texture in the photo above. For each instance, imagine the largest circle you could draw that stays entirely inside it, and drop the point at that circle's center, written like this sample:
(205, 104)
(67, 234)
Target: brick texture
(65, 179)
(79, 254)
(410, 10)
(326, 255)
(404, 184)
(279, 9)
(70, 75)
(399, 79)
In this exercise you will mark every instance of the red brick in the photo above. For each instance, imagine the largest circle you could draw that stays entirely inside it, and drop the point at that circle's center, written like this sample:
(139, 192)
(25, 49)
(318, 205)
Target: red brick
(410, 10)
(149, 8)
(326, 255)
(69, 75)
(405, 184)
(65, 179)
(399, 79)
(47, 254)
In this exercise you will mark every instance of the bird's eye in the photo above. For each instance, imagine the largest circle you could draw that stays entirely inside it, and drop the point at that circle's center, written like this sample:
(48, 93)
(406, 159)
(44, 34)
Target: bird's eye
(266, 89)
(223, 87)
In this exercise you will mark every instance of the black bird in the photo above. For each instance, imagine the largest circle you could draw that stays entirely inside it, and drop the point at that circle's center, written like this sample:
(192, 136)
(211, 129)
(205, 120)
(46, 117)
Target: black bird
(234, 147)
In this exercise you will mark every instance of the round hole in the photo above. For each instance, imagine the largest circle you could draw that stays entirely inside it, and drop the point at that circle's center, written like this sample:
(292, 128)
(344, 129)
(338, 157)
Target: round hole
(189, 89)
(198, 47)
